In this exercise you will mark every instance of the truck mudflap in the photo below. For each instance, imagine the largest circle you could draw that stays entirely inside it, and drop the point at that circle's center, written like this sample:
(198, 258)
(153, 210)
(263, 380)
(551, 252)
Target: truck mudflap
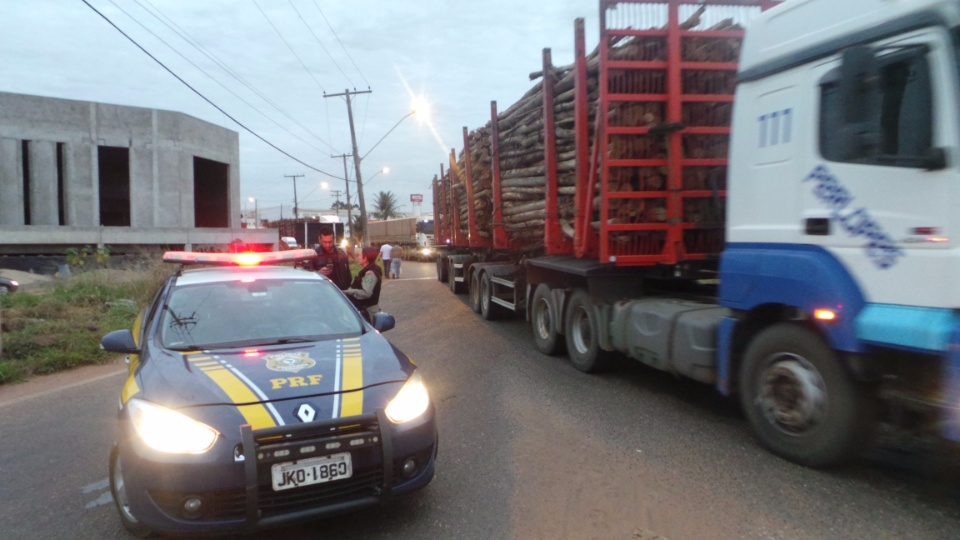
(675, 335)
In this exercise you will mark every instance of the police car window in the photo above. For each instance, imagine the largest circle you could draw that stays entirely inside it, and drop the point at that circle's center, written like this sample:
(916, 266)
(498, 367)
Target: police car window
(261, 312)
(904, 119)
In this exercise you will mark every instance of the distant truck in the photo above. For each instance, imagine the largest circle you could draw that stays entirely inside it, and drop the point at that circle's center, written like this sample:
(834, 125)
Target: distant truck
(414, 234)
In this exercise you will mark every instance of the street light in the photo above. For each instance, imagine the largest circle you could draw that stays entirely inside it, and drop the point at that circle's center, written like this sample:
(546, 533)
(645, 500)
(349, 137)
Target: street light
(256, 213)
(384, 170)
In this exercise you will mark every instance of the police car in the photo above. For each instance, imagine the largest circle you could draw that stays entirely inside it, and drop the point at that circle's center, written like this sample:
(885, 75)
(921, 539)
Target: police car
(258, 396)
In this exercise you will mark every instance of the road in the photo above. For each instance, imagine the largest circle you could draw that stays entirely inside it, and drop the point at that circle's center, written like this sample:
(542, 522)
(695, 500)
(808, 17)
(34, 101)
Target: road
(529, 448)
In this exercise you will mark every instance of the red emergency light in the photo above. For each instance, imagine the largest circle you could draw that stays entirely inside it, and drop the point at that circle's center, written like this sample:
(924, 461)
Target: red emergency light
(239, 259)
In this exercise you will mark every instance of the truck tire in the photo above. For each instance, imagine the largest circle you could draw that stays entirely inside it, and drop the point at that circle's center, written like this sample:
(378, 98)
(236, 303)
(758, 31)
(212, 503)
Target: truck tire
(545, 321)
(582, 331)
(474, 290)
(488, 309)
(442, 269)
(800, 402)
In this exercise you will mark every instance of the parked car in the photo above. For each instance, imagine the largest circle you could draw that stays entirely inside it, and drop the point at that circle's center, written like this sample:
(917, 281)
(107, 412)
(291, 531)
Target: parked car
(8, 285)
(257, 396)
(289, 242)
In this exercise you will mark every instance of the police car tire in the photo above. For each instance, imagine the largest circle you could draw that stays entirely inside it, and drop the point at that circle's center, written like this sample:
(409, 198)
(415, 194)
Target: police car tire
(582, 333)
(545, 321)
(134, 527)
(850, 413)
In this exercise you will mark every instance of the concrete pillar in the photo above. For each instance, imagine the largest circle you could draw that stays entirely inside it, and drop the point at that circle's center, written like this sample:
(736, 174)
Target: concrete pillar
(80, 186)
(141, 187)
(168, 211)
(44, 195)
(187, 217)
(11, 182)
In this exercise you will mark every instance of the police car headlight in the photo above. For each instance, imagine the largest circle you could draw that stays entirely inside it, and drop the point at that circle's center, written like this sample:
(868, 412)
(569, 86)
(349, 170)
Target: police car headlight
(166, 430)
(411, 401)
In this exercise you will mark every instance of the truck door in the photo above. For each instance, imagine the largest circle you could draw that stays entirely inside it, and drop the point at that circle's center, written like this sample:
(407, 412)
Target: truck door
(884, 203)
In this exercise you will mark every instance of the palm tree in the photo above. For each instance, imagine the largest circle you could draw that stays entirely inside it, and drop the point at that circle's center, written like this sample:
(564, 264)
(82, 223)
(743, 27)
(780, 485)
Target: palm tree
(385, 205)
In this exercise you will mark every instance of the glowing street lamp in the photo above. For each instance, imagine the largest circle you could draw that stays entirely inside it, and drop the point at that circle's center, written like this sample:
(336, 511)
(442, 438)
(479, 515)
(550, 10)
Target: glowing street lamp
(256, 213)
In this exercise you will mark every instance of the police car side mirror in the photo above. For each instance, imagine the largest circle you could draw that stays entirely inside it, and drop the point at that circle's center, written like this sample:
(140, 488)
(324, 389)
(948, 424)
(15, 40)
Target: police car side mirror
(119, 341)
(383, 321)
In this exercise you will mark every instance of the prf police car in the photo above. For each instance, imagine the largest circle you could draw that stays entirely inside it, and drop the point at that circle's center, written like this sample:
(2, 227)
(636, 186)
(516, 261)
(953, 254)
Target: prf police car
(258, 396)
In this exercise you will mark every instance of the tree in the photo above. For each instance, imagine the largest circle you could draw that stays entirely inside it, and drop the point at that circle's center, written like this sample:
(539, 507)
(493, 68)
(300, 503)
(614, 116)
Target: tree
(385, 205)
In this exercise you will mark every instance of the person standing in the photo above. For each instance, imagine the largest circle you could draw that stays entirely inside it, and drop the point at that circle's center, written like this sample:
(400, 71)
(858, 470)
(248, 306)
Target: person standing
(396, 257)
(364, 292)
(331, 261)
(385, 253)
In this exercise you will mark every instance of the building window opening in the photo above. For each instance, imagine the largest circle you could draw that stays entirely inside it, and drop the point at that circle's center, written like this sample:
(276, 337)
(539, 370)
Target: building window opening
(25, 162)
(114, 163)
(210, 183)
(61, 202)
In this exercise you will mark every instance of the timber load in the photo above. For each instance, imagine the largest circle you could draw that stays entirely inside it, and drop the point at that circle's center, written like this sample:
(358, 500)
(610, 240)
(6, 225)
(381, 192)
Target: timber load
(661, 159)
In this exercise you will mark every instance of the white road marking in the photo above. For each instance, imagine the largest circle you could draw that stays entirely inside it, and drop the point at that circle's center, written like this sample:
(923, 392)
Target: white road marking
(105, 498)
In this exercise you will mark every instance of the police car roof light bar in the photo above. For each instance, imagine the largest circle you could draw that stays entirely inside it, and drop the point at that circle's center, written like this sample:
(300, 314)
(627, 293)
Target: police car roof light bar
(239, 259)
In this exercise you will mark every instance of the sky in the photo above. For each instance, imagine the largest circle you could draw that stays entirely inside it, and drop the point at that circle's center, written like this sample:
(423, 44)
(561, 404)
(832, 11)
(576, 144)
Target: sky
(268, 63)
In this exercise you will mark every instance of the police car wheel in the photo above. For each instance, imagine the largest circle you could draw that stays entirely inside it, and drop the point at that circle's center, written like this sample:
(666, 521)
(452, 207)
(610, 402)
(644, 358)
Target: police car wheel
(120, 497)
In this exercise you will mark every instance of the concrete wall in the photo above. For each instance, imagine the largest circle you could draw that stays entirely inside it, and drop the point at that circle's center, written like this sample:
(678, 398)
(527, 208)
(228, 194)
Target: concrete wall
(162, 145)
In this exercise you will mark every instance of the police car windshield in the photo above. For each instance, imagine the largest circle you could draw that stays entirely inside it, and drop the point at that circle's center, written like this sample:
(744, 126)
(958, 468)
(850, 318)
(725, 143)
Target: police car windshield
(259, 312)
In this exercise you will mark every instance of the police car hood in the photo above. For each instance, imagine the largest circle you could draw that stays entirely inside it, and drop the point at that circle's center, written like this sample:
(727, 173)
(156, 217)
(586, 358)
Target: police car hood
(337, 370)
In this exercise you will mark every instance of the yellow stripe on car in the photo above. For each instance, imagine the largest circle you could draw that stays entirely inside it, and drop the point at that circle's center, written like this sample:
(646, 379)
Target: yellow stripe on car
(352, 403)
(255, 414)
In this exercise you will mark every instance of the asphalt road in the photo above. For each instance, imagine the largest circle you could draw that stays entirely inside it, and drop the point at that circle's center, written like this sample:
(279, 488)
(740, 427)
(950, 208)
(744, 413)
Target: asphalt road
(529, 448)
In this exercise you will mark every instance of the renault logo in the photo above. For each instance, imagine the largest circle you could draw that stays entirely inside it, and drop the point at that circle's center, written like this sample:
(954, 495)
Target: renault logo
(306, 413)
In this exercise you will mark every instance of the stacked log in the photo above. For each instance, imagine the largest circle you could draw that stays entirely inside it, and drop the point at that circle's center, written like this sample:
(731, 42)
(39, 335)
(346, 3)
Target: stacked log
(521, 148)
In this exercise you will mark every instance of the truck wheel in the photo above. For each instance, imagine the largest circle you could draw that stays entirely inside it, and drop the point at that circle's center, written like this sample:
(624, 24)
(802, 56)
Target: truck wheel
(441, 270)
(545, 322)
(488, 309)
(799, 400)
(583, 334)
(474, 289)
(119, 491)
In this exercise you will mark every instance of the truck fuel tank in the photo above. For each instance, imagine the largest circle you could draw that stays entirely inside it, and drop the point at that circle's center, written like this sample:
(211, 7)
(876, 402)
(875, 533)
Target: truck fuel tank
(675, 335)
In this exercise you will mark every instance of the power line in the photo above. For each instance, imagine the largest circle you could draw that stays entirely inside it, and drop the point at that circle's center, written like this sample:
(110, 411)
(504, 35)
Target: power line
(319, 42)
(205, 98)
(285, 42)
(334, 32)
(225, 68)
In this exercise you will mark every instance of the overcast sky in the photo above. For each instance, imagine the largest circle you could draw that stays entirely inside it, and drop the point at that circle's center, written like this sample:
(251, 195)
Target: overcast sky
(456, 55)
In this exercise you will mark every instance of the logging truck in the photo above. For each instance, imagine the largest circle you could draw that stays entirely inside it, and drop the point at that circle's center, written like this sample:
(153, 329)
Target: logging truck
(756, 195)
(414, 234)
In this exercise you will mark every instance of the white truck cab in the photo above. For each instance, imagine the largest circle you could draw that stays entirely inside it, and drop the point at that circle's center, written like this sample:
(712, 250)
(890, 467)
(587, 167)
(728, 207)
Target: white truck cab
(844, 183)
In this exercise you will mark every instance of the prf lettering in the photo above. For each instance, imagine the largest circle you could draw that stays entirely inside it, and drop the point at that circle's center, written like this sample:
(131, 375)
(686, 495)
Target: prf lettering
(293, 382)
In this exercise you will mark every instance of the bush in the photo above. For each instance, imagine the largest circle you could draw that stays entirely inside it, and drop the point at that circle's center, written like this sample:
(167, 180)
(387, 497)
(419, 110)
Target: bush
(60, 328)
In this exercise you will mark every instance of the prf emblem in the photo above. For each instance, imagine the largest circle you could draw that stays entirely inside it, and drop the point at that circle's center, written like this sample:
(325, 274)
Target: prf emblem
(289, 362)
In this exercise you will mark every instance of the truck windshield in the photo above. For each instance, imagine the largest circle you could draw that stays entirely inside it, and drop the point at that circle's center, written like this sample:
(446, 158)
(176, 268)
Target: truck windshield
(425, 226)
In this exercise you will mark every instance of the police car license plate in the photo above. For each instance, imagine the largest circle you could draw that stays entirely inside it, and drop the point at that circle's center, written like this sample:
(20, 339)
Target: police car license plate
(307, 472)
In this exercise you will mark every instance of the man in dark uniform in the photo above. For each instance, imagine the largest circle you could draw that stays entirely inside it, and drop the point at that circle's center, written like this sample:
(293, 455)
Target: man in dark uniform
(364, 292)
(331, 261)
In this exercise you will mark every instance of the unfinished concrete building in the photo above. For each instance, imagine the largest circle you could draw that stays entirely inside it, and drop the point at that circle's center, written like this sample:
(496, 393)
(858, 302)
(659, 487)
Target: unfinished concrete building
(76, 173)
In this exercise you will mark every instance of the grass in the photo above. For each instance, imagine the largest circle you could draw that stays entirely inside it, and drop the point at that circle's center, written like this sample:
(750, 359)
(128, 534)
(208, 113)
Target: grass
(59, 327)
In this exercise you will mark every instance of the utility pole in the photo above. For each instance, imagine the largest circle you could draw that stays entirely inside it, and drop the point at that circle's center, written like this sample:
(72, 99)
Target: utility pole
(336, 193)
(356, 156)
(346, 180)
(294, 176)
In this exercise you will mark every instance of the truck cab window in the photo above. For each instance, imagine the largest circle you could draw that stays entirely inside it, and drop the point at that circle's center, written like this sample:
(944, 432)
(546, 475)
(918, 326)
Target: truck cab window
(903, 113)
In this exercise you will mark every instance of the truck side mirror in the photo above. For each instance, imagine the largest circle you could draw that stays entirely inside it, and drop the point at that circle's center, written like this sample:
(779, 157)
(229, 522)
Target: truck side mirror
(859, 102)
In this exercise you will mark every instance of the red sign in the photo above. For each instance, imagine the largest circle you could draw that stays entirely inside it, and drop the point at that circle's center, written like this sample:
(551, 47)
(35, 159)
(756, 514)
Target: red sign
(416, 197)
